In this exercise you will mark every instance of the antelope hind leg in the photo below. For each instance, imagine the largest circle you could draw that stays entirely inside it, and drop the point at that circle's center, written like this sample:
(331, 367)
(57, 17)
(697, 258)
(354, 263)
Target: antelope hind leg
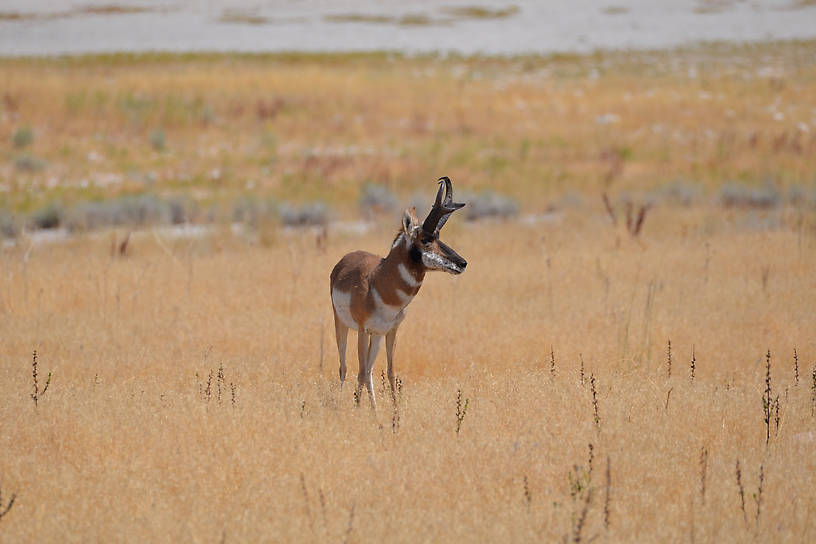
(363, 341)
(341, 333)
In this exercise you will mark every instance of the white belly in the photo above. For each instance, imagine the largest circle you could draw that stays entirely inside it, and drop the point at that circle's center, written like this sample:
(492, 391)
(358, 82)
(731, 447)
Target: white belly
(342, 305)
(385, 316)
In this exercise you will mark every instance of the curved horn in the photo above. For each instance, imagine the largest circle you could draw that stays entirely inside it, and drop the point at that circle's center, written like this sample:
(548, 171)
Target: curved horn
(442, 208)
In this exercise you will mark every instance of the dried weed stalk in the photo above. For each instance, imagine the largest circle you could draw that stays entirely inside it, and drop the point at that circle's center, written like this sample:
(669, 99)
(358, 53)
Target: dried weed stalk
(528, 497)
(217, 389)
(591, 458)
(208, 389)
(323, 508)
(583, 375)
(758, 494)
(766, 397)
(813, 393)
(461, 410)
(693, 363)
(37, 393)
(703, 470)
(5, 509)
(395, 419)
(580, 485)
(219, 381)
(741, 492)
(795, 367)
(607, 486)
(634, 223)
(597, 418)
(350, 526)
(579, 525)
(305, 493)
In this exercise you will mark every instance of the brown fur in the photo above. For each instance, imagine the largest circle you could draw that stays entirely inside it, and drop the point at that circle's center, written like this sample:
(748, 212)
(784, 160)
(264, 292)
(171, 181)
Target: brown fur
(358, 271)
(370, 294)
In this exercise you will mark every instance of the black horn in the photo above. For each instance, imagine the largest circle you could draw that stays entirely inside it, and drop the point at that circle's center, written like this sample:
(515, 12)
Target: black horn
(442, 208)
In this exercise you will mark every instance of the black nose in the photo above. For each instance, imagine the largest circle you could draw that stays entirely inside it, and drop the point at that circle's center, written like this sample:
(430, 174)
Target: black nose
(464, 264)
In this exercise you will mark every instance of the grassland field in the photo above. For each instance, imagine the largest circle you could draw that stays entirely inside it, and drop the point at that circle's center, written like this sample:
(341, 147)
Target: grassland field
(193, 391)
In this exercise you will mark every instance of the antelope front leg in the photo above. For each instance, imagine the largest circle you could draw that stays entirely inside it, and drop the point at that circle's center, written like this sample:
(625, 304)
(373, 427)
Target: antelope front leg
(390, 340)
(367, 347)
(373, 349)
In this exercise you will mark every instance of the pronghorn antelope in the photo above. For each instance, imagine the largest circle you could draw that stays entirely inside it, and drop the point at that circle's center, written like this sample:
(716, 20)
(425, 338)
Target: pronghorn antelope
(369, 294)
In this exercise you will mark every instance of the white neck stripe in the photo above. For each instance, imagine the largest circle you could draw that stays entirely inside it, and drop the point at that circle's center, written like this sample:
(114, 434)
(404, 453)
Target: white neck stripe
(407, 277)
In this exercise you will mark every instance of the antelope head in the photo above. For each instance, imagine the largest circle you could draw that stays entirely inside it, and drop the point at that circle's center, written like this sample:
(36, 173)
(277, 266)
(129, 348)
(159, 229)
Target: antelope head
(423, 241)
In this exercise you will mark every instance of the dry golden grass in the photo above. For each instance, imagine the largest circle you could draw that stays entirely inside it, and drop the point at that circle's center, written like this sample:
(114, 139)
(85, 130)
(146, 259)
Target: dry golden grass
(310, 126)
(126, 446)
(130, 442)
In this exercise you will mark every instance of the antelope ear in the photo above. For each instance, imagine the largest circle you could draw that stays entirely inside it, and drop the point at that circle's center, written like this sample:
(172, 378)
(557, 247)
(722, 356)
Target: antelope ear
(410, 223)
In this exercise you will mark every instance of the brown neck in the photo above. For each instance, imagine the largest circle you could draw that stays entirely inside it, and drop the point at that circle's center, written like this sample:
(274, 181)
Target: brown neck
(387, 276)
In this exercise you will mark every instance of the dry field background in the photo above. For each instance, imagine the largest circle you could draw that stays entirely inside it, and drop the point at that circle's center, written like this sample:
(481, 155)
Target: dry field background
(126, 444)
(139, 438)
(301, 127)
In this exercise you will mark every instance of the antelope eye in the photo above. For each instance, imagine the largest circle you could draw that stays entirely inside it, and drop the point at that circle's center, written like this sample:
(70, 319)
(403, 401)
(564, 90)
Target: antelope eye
(426, 239)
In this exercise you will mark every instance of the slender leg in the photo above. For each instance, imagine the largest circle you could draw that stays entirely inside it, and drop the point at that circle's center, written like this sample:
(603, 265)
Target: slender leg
(341, 332)
(373, 349)
(363, 339)
(390, 341)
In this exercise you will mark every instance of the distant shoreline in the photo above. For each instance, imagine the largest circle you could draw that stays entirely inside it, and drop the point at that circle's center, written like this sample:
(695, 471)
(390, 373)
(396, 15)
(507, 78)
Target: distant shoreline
(708, 48)
(486, 28)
